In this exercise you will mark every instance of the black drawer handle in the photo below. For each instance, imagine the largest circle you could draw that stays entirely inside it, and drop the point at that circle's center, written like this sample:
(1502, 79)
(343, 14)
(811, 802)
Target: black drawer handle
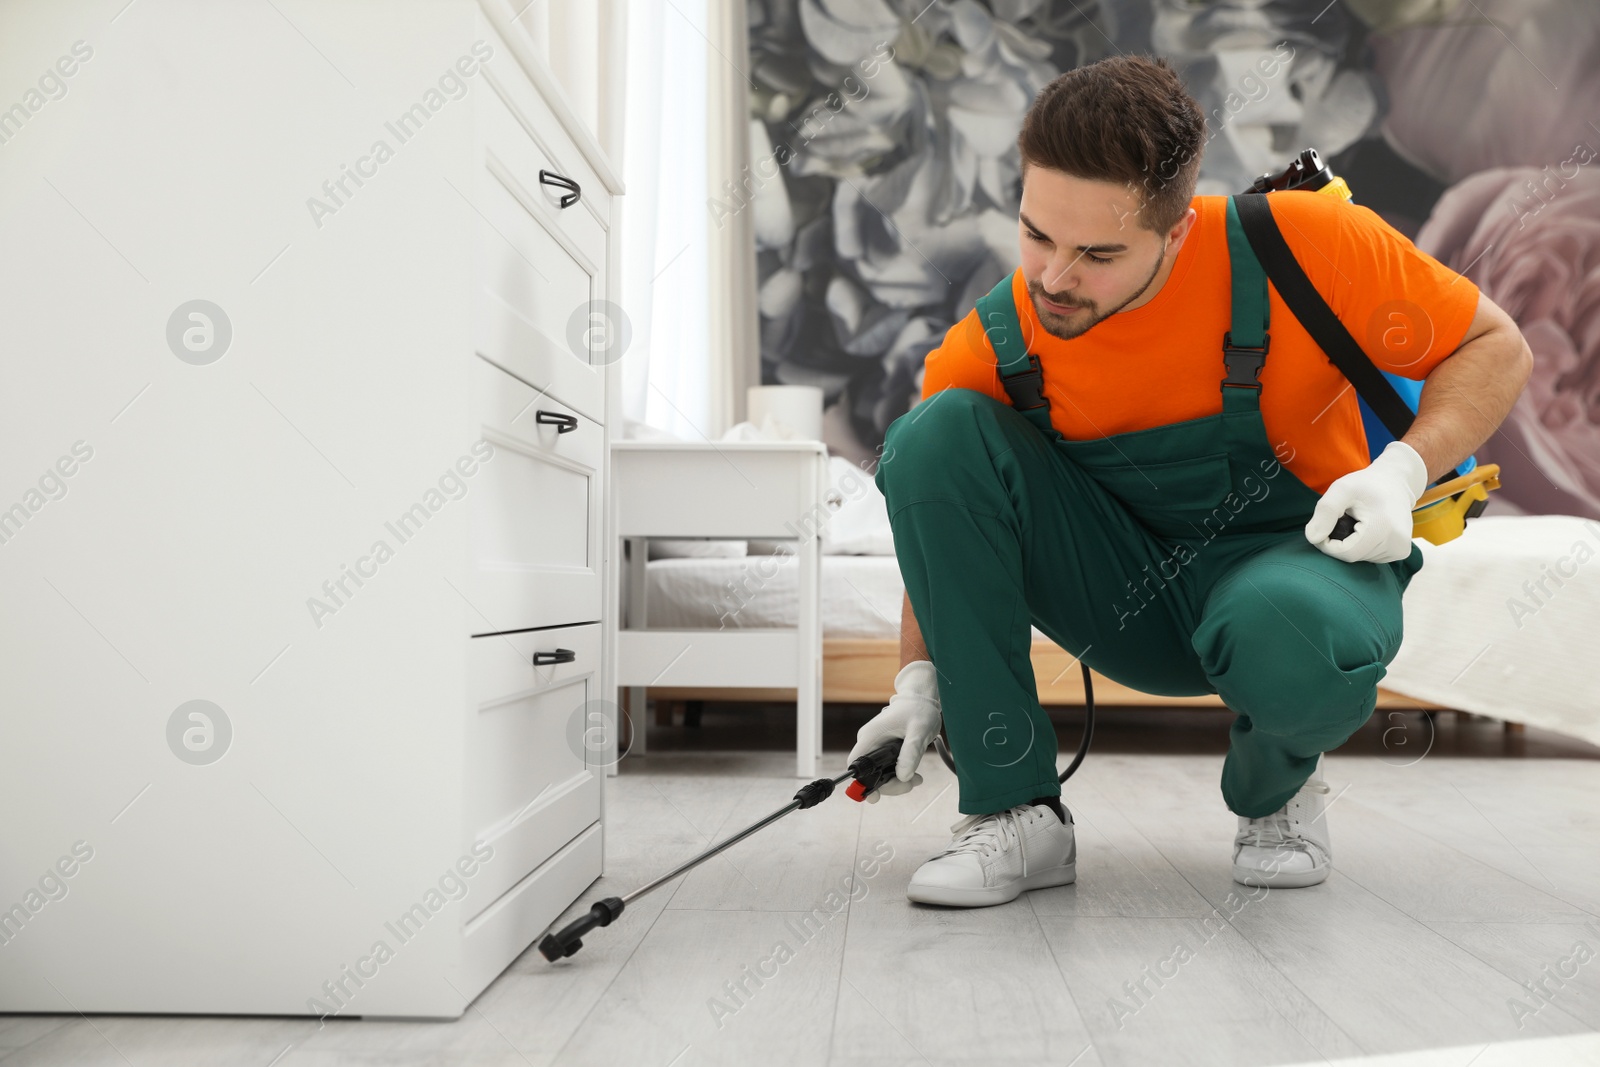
(560, 655)
(563, 423)
(550, 177)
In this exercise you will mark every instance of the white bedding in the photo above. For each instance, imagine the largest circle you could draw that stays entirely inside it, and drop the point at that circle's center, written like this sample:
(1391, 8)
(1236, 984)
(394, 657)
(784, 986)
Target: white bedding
(861, 595)
(1466, 645)
(1483, 637)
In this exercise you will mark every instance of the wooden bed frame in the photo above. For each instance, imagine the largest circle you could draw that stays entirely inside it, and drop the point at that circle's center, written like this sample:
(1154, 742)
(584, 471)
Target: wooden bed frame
(862, 670)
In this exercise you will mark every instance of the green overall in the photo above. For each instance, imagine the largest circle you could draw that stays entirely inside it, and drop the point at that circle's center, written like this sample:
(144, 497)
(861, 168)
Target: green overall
(1172, 560)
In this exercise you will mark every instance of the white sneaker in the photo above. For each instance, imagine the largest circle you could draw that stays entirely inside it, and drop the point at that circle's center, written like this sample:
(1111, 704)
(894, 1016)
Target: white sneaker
(1291, 847)
(994, 858)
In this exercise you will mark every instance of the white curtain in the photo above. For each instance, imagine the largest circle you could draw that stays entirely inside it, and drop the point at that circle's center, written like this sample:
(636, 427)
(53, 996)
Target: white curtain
(688, 287)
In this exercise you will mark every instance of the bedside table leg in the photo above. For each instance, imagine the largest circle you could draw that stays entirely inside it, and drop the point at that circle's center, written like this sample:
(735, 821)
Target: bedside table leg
(808, 691)
(635, 617)
(638, 719)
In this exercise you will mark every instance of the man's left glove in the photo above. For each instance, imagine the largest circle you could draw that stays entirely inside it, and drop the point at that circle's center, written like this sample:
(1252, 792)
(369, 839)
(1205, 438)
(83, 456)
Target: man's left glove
(1380, 496)
(912, 714)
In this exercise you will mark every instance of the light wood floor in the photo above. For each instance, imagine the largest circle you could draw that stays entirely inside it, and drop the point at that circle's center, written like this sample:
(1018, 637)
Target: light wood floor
(1457, 876)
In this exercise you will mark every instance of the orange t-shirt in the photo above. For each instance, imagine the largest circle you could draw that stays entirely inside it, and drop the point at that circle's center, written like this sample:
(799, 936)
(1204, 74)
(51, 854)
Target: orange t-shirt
(1162, 363)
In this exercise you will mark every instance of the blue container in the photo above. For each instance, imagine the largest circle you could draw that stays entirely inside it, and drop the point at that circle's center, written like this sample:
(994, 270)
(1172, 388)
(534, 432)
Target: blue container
(1378, 435)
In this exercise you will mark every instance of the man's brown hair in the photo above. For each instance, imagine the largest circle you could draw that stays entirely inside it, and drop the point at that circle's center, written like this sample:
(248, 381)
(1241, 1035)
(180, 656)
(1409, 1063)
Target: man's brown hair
(1127, 119)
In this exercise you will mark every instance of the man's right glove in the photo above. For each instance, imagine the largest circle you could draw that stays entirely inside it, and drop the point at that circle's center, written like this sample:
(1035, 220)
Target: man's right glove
(912, 714)
(1380, 497)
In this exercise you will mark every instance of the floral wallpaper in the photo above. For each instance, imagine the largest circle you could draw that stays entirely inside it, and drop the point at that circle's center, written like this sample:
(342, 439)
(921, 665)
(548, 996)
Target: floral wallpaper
(883, 178)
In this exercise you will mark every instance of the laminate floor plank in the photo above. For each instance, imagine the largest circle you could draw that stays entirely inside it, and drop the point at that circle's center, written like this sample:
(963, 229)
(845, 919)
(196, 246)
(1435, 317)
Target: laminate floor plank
(1385, 978)
(963, 983)
(1157, 989)
(720, 987)
(1553, 963)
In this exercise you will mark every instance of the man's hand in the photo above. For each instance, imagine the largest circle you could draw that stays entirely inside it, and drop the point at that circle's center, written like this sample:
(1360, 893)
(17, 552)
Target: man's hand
(912, 714)
(1380, 496)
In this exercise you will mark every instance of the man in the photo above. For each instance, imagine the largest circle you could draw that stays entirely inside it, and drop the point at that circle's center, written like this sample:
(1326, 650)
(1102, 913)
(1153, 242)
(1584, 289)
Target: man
(1173, 527)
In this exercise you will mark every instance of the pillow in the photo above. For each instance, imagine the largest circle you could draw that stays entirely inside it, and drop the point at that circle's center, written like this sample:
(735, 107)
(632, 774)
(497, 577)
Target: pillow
(860, 526)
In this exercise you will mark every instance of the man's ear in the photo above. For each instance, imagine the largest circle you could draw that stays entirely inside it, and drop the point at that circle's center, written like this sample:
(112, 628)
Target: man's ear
(1176, 235)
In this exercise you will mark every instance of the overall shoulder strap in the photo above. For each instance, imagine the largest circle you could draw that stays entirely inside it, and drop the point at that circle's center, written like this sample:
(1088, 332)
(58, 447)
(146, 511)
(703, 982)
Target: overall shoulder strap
(1244, 346)
(1307, 305)
(1020, 374)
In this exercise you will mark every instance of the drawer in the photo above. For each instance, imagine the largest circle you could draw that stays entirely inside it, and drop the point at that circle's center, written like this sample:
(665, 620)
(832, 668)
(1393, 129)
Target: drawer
(530, 787)
(535, 296)
(518, 90)
(757, 489)
(518, 131)
(536, 509)
(509, 405)
(494, 937)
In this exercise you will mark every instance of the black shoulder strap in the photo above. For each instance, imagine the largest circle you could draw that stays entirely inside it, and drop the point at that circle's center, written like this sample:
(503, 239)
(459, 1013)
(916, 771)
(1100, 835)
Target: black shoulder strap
(1314, 314)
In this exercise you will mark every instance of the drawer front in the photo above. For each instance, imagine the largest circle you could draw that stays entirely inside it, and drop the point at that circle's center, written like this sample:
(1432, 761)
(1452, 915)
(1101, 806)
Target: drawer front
(516, 92)
(540, 282)
(498, 934)
(530, 787)
(532, 301)
(523, 138)
(536, 509)
(738, 492)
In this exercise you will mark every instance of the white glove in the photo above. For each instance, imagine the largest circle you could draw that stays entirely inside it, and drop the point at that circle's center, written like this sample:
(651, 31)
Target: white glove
(912, 714)
(1380, 496)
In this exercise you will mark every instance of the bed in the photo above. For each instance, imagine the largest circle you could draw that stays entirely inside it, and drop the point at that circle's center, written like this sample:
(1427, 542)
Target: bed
(1502, 622)
(861, 598)
(1498, 622)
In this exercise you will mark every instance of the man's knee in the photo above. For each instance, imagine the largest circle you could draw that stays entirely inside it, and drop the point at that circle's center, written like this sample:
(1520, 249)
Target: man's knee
(934, 435)
(1293, 651)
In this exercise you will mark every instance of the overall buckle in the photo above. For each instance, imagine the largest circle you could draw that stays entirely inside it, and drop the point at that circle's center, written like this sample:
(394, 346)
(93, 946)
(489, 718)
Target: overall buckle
(1026, 388)
(1243, 363)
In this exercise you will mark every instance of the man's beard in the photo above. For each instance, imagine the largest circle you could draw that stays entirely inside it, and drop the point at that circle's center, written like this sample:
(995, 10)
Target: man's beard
(1068, 328)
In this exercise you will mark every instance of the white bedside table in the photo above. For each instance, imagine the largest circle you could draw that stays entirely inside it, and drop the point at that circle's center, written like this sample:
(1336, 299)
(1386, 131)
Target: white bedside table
(768, 490)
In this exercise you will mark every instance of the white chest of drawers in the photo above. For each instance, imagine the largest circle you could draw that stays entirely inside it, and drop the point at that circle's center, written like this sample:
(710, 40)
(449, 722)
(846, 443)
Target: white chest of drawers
(355, 507)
